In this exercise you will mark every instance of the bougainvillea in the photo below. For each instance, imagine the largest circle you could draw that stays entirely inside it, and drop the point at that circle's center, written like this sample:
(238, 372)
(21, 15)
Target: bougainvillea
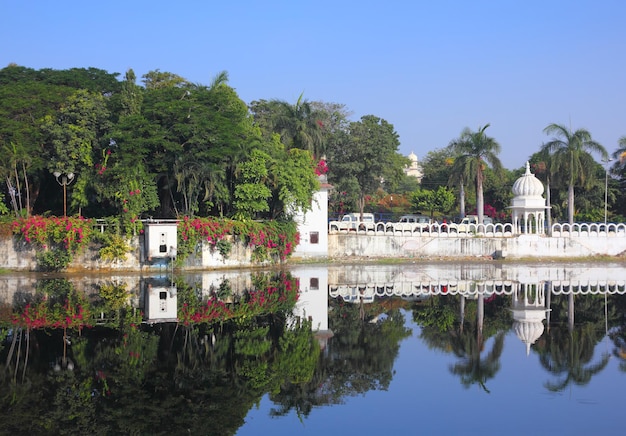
(270, 240)
(321, 168)
(271, 293)
(71, 233)
(49, 313)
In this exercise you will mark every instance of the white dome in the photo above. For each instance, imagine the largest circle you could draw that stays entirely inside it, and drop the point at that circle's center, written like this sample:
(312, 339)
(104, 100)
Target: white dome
(413, 157)
(528, 332)
(528, 185)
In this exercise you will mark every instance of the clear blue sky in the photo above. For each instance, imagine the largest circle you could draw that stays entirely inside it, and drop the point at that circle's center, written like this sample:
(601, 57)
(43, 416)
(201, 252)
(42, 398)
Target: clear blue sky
(430, 68)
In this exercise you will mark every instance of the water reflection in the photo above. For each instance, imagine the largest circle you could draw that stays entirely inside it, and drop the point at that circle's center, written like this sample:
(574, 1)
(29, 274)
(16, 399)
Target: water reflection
(171, 354)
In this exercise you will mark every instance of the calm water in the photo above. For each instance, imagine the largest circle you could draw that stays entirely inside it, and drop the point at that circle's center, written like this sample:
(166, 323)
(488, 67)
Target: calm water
(403, 349)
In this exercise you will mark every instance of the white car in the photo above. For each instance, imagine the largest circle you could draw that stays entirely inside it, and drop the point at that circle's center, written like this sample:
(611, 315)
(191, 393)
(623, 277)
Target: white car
(353, 222)
(412, 223)
(469, 224)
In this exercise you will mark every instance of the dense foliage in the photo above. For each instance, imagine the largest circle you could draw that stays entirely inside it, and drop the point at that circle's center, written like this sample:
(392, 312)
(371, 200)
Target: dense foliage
(169, 148)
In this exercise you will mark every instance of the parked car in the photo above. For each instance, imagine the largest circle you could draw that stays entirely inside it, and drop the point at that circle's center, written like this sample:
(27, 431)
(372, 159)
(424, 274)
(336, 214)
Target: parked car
(469, 224)
(411, 223)
(353, 221)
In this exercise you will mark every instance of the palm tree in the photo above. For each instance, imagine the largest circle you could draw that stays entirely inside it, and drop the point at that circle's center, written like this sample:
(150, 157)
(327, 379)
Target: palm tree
(544, 168)
(299, 126)
(474, 150)
(570, 152)
(620, 153)
(461, 173)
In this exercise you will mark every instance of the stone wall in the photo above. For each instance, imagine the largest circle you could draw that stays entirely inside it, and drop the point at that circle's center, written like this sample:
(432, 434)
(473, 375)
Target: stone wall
(346, 245)
(16, 255)
(20, 256)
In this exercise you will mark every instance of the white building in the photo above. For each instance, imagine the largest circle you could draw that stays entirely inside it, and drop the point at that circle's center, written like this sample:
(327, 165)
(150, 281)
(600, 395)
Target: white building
(313, 225)
(414, 169)
(528, 207)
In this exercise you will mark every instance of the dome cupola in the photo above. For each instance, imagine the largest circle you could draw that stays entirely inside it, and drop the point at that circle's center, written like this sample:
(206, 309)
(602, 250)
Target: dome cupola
(528, 185)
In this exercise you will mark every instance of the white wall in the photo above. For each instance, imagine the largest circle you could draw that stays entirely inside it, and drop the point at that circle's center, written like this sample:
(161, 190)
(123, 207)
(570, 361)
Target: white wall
(315, 220)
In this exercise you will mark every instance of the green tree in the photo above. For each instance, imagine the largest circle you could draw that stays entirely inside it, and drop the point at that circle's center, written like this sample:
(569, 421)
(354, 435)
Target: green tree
(74, 136)
(359, 158)
(437, 168)
(292, 181)
(570, 154)
(252, 193)
(440, 200)
(618, 179)
(477, 150)
(131, 95)
(156, 79)
(461, 175)
(300, 126)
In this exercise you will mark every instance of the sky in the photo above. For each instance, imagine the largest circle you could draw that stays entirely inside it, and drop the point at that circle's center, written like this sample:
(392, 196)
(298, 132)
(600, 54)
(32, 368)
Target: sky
(430, 68)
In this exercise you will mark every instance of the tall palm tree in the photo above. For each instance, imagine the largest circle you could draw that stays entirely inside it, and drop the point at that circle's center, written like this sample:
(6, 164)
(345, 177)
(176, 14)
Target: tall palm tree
(461, 173)
(620, 153)
(571, 156)
(299, 126)
(543, 168)
(474, 151)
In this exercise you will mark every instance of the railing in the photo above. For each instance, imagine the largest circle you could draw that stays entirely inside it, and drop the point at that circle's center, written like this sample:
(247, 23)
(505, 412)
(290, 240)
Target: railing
(471, 230)
(425, 230)
(468, 288)
(589, 229)
(100, 224)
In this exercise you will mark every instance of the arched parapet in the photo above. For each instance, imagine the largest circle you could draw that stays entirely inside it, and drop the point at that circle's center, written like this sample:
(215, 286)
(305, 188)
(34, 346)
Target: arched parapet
(589, 229)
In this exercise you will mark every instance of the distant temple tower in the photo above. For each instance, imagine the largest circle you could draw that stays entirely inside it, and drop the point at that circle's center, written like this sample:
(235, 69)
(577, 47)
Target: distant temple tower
(414, 169)
(528, 207)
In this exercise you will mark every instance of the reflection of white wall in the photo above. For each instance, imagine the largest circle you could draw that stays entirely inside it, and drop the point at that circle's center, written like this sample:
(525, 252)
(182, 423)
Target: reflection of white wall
(237, 280)
(526, 272)
(160, 304)
(313, 296)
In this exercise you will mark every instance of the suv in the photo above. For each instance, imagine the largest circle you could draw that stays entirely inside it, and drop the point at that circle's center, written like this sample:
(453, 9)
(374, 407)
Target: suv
(411, 223)
(352, 221)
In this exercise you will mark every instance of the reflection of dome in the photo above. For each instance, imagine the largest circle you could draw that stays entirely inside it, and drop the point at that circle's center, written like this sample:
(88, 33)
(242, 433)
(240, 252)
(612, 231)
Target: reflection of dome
(528, 332)
(527, 185)
(529, 313)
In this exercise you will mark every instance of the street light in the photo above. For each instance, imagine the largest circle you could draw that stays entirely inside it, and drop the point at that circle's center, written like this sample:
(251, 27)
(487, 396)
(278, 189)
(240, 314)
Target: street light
(606, 188)
(64, 180)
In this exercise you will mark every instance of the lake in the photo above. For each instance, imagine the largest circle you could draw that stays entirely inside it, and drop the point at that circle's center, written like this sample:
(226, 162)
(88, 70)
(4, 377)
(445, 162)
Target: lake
(412, 348)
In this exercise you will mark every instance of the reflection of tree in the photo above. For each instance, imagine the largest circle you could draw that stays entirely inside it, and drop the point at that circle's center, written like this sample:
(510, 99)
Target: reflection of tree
(473, 368)
(361, 354)
(619, 340)
(568, 349)
(568, 355)
(359, 358)
(445, 325)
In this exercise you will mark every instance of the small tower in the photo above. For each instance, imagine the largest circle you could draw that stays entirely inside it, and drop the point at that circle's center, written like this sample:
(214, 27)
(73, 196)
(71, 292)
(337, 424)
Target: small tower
(528, 207)
(414, 169)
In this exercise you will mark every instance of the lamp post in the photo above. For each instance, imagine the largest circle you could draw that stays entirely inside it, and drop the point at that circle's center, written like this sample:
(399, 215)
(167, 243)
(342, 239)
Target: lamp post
(64, 180)
(606, 188)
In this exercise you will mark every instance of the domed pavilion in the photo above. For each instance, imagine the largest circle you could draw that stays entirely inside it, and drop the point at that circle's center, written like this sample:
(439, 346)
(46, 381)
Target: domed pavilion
(528, 207)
